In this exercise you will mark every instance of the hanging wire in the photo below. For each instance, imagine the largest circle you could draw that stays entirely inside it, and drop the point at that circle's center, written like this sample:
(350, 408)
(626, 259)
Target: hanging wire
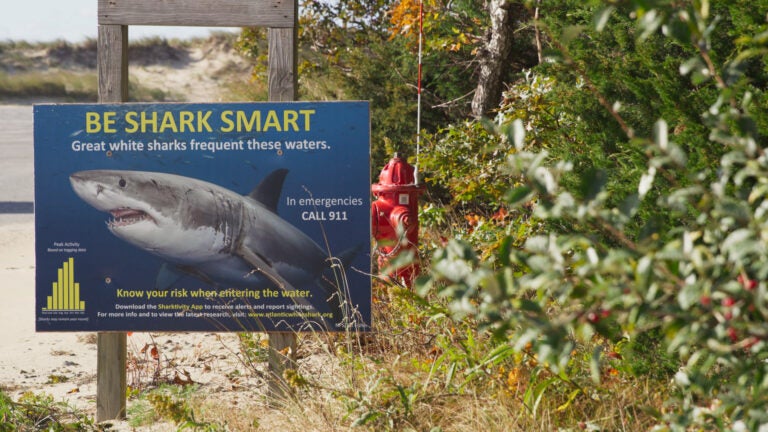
(418, 97)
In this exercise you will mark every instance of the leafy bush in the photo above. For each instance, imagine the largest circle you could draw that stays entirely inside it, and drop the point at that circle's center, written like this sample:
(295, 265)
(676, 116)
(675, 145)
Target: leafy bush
(606, 269)
(40, 412)
(170, 403)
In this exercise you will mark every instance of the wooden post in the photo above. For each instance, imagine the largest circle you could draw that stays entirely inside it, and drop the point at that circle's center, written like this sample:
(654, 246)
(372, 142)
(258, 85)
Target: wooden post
(112, 49)
(282, 356)
(112, 52)
(283, 83)
(110, 376)
(283, 64)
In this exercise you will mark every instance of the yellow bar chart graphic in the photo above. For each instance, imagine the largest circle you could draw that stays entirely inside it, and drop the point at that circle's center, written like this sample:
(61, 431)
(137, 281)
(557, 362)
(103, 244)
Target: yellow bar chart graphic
(65, 295)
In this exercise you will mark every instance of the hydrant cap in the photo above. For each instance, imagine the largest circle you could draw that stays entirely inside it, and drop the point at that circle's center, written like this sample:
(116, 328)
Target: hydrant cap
(396, 172)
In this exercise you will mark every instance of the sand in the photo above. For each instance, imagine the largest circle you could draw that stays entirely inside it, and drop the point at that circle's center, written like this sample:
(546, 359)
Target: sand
(63, 365)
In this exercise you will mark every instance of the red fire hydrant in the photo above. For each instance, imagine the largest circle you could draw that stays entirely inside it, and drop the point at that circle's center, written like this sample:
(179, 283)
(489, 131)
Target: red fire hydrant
(395, 217)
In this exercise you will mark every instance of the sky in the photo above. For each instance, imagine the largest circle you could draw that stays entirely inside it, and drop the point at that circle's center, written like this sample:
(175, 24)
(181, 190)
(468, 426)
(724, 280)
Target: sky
(73, 21)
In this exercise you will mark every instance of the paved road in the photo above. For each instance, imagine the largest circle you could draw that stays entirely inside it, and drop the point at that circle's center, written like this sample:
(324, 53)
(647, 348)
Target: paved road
(16, 159)
(27, 358)
(17, 240)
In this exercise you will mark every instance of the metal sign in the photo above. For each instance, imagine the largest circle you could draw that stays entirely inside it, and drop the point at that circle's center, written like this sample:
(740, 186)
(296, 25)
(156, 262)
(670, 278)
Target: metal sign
(202, 217)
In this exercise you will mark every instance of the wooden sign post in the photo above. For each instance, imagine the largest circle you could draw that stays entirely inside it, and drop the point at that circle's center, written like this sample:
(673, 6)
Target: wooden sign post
(112, 51)
(280, 17)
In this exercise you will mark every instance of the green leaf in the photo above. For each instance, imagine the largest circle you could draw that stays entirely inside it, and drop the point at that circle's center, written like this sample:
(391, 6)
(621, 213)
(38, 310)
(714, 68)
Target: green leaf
(530, 306)
(570, 33)
(592, 183)
(518, 195)
(700, 76)
(661, 134)
(553, 55)
(518, 134)
(504, 251)
(761, 38)
(594, 363)
(629, 205)
(365, 418)
(538, 392)
(689, 296)
(740, 244)
(704, 8)
(646, 182)
(692, 64)
(678, 30)
(649, 23)
(602, 16)
(571, 398)
(450, 374)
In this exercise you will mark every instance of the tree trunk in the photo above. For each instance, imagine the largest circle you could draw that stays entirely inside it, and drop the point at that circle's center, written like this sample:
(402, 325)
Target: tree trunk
(493, 58)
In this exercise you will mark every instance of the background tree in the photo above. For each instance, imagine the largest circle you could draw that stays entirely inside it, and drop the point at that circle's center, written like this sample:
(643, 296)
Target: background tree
(367, 50)
(495, 56)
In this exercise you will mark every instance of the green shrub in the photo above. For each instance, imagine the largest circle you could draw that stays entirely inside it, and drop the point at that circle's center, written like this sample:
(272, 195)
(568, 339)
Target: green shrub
(40, 412)
(691, 287)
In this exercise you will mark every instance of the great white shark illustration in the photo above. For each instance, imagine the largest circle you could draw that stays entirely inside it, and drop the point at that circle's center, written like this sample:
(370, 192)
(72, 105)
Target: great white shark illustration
(205, 230)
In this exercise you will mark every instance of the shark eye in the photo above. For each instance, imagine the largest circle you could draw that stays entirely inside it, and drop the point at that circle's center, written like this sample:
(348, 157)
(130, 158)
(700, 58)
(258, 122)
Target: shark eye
(122, 183)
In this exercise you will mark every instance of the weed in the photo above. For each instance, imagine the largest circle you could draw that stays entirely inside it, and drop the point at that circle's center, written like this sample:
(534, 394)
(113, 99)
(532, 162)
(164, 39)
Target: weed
(57, 379)
(253, 349)
(40, 412)
(170, 403)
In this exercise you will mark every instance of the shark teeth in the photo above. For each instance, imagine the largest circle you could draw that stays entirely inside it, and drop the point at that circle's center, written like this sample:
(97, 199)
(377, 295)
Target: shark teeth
(127, 216)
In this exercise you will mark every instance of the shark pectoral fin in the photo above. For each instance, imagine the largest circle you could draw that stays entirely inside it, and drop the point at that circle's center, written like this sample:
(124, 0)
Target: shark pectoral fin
(194, 272)
(260, 265)
(166, 277)
(169, 274)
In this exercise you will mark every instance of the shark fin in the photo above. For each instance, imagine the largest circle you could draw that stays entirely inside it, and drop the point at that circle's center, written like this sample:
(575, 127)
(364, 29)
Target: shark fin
(166, 277)
(169, 274)
(346, 257)
(257, 262)
(260, 265)
(269, 190)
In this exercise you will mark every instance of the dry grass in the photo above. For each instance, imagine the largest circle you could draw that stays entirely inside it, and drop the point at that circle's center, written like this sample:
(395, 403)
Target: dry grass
(49, 85)
(161, 70)
(422, 373)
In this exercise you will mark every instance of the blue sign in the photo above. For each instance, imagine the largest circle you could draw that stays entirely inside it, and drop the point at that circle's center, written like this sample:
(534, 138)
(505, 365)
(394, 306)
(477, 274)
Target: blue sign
(203, 217)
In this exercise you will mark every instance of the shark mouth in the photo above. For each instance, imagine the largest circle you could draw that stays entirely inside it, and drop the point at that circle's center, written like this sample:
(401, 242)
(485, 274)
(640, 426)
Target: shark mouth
(127, 216)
